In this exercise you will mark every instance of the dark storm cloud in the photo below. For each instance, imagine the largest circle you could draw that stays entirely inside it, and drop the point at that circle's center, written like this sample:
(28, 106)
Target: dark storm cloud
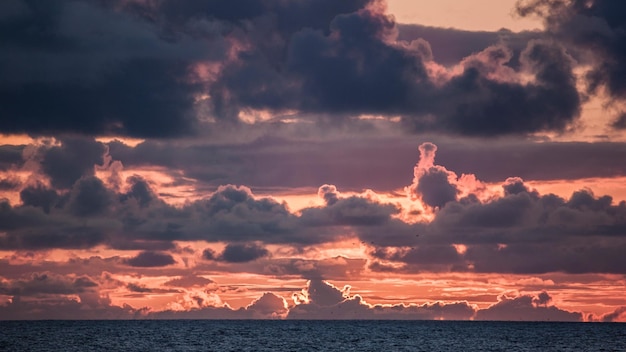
(130, 68)
(233, 214)
(286, 16)
(433, 257)
(242, 253)
(474, 104)
(355, 70)
(336, 268)
(521, 233)
(433, 184)
(119, 67)
(140, 191)
(78, 66)
(90, 197)
(28, 227)
(597, 27)
(150, 259)
(435, 189)
(48, 284)
(350, 211)
(515, 185)
(73, 159)
(39, 196)
(91, 214)
(10, 156)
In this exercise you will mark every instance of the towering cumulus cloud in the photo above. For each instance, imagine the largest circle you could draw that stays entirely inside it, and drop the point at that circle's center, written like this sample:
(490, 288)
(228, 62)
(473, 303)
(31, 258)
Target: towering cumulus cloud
(433, 184)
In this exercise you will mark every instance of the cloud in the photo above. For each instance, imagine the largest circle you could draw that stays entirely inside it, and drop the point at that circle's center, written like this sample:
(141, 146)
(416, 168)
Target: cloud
(189, 281)
(618, 315)
(100, 71)
(515, 185)
(47, 283)
(329, 194)
(150, 259)
(518, 232)
(140, 191)
(470, 228)
(322, 300)
(31, 228)
(73, 159)
(394, 80)
(358, 211)
(473, 103)
(526, 308)
(90, 197)
(268, 305)
(337, 268)
(592, 27)
(434, 185)
(241, 253)
(322, 293)
(10, 156)
(106, 67)
(39, 196)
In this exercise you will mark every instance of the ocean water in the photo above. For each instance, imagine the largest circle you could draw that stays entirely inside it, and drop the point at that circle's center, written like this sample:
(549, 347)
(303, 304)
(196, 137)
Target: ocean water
(220, 335)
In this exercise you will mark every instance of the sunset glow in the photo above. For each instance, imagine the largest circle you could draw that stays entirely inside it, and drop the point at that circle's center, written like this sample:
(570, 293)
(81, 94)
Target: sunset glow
(306, 159)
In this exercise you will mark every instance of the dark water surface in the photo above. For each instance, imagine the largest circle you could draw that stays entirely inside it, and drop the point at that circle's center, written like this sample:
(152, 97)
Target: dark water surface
(220, 335)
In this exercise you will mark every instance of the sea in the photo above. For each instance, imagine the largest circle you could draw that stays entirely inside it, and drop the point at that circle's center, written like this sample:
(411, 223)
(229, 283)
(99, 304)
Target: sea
(285, 335)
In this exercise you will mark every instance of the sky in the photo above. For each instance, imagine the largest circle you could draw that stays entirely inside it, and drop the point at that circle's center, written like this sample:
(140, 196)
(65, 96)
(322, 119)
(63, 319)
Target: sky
(313, 159)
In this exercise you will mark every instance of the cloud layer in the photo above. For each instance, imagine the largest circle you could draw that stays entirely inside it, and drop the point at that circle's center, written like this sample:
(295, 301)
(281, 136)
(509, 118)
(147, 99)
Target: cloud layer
(154, 69)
